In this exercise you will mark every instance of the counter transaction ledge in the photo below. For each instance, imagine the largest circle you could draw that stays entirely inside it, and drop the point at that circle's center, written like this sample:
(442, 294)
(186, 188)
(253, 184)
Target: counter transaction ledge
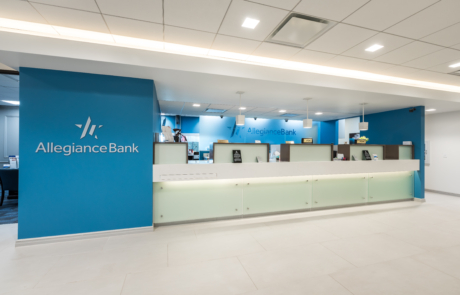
(308, 180)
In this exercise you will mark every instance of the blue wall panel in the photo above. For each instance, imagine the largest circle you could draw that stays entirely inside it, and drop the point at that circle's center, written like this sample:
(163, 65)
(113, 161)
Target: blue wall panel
(394, 127)
(190, 124)
(213, 128)
(329, 132)
(84, 192)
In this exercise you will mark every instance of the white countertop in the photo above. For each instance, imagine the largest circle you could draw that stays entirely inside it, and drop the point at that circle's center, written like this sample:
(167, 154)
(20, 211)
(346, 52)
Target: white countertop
(181, 172)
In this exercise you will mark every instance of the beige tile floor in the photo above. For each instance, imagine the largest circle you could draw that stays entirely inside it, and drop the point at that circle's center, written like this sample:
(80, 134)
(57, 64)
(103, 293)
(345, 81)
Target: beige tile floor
(399, 248)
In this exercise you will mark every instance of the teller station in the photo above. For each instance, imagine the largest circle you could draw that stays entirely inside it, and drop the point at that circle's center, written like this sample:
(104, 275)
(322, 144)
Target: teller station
(306, 177)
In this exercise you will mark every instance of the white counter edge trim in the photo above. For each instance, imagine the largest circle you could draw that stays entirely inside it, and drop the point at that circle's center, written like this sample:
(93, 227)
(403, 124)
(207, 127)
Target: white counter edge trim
(181, 172)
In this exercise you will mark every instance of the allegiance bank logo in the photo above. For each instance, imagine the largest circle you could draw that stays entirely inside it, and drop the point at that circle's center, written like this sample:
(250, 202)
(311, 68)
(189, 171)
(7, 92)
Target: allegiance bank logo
(73, 148)
(85, 130)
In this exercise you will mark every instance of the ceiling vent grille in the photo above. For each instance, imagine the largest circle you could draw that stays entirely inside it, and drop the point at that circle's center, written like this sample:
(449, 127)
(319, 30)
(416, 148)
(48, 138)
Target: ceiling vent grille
(218, 111)
(456, 73)
(298, 30)
(289, 115)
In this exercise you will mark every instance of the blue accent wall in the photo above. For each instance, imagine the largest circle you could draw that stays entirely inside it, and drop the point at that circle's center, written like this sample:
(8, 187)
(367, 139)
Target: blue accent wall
(394, 127)
(190, 124)
(329, 132)
(269, 131)
(85, 192)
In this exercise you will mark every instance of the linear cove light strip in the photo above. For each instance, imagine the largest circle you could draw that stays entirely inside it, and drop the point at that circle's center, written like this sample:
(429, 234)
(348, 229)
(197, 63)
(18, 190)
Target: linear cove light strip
(29, 28)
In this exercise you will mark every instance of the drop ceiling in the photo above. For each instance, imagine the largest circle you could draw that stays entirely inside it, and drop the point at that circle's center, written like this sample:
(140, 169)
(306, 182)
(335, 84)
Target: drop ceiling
(414, 47)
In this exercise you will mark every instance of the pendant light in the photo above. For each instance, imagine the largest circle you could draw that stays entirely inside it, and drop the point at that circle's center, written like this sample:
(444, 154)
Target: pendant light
(363, 126)
(307, 123)
(240, 118)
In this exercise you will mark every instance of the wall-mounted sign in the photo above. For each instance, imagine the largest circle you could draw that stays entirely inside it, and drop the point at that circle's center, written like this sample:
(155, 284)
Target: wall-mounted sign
(237, 156)
(69, 149)
(307, 140)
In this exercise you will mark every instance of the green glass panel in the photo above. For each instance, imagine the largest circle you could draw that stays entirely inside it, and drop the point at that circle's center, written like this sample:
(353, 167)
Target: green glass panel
(192, 200)
(276, 196)
(339, 190)
(171, 154)
(249, 152)
(391, 186)
(405, 152)
(302, 153)
(357, 151)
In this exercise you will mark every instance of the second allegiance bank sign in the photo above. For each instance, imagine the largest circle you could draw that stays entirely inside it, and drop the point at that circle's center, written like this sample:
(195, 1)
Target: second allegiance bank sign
(67, 150)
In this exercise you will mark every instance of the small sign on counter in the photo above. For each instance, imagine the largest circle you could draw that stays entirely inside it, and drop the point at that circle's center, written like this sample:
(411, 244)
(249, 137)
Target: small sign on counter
(237, 156)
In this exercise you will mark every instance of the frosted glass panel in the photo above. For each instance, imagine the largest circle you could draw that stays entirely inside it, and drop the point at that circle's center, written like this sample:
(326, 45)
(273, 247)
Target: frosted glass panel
(357, 151)
(191, 200)
(405, 152)
(171, 154)
(276, 196)
(249, 152)
(303, 153)
(338, 190)
(391, 186)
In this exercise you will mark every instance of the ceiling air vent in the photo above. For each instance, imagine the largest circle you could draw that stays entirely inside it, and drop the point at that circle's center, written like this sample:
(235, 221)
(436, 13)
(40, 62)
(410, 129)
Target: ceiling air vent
(456, 73)
(298, 30)
(219, 111)
(289, 115)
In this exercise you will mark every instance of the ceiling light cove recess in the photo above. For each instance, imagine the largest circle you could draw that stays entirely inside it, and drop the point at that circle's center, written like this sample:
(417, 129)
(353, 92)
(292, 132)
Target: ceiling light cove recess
(430, 110)
(455, 65)
(282, 111)
(196, 105)
(318, 113)
(250, 23)
(374, 48)
(11, 102)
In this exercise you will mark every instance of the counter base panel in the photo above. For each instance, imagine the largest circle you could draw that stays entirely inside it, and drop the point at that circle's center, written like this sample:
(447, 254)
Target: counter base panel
(205, 200)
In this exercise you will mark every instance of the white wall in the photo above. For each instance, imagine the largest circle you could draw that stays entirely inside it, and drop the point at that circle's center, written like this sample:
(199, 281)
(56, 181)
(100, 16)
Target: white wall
(347, 126)
(443, 132)
(9, 135)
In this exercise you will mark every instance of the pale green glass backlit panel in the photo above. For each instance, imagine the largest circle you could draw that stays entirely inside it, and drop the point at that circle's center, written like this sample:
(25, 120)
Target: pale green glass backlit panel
(339, 190)
(391, 186)
(249, 152)
(192, 200)
(357, 151)
(303, 153)
(405, 152)
(275, 197)
(170, 154)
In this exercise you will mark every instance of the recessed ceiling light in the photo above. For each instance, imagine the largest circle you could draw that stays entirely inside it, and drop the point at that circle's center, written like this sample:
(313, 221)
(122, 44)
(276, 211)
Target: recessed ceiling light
(242, 108)
(11, 102)
(250, 23)
(282, 111)
(196, 105)
(374, 47)
(430, 110)
(455, 65)
(318, 113)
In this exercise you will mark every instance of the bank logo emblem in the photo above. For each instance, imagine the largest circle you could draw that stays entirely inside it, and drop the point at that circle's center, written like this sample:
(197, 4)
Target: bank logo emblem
(85, 130)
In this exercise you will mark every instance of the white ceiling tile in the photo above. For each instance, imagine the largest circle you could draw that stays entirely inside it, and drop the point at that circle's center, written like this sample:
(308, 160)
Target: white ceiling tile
(399, 71)
(340, 38)
(188, 37)
(331, 9)
(239, 10)
(434, 18)
(275, 51)
(284, 4)
(147, 10)
(134, 28)
(203, 15)
(88, 5)
(5, 67)
(390, 42)
(434, 59)
(437, 78)
(20, 10)
(408, 52)
(312, 57)
(346, 62)
(456, 46)
(447, 37)
(71, 18)
(375, 67)
(444, 67)
(381, 14)
(170, 107)
(233, 44)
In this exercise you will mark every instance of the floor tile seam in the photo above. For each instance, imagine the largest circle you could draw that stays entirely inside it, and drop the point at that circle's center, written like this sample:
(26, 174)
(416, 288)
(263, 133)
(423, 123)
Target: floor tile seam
(435, 268)
(420, 247)
(255, 239)
(123, 286)
(218, 258)
(46, 273)
(355, 266)
(330, 275)
(247, 273)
